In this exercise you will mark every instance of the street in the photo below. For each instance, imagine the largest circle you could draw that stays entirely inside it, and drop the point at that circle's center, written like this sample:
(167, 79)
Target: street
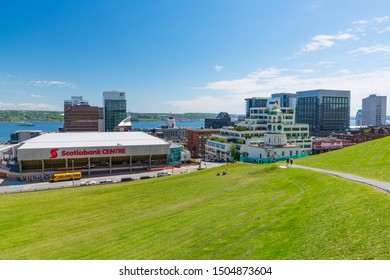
(8, 186)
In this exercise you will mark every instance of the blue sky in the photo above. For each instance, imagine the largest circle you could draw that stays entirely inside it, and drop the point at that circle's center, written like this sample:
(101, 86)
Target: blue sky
(190, 56)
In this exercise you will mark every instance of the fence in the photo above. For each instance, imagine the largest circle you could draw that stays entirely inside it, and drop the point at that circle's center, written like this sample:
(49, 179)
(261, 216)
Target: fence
(268, 160)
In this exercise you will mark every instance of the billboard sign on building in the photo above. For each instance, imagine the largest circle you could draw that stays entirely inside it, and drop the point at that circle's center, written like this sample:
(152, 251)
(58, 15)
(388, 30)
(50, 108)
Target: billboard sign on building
(271, 102)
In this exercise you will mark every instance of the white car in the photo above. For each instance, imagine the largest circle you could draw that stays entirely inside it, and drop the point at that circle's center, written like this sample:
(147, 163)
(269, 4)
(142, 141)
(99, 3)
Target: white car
(88, 183)
(108, 181)
(163, 174)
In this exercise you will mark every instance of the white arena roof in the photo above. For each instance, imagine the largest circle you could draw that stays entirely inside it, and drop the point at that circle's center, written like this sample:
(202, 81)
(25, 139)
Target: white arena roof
(91, 140)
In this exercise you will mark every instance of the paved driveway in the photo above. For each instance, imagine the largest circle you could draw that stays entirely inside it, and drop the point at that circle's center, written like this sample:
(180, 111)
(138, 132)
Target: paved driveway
(377, 184)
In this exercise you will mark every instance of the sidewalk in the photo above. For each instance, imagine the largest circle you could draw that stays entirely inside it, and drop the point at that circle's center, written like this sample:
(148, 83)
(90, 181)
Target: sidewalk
(385, 186)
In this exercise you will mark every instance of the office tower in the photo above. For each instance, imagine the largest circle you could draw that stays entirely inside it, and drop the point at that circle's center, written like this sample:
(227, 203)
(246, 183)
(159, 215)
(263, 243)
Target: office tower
(114, 103)
(80, 116)
(254, 102)
(325, 111)
(359, 119)
(374, 110)
(286, 99)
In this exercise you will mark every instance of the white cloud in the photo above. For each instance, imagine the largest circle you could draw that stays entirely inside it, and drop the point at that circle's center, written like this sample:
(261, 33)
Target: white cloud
(326, 64)
(361, 84)
(374, 24)
(372, 49)
(52, 83)
(305, 71)
(325, 41)
(28, 106)
(218, 68)
(381, 19)
(36, 96)
(358, 29)
(387, 28)
(360, 22)
(209, 104)
(375, 20)
(266, 73)
(252, 82)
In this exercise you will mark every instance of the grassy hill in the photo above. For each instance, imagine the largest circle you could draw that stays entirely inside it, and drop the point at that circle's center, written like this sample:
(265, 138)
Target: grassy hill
(370, 159)
(255, 212)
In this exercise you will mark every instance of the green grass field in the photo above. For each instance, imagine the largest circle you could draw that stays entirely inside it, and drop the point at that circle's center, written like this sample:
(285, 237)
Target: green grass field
(255, 212)
(370, 159)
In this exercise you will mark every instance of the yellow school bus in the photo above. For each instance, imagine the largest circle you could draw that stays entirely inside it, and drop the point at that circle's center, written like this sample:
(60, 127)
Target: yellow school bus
(57, 177)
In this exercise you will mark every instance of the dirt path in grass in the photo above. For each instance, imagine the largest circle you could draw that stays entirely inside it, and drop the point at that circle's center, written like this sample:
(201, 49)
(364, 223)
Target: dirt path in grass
(385, 186)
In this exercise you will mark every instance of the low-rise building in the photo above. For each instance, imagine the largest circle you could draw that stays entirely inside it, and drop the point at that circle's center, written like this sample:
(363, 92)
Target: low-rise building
(282, 140)
(23, 135)
(125, 125)
(178, 154)
(328, 144)
(90, 152)
(223, 119)
(176, 134)
(197, 139)
(231, 143)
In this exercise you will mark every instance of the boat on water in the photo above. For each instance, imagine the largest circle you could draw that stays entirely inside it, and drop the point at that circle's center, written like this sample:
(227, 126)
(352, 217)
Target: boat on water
(26, 124)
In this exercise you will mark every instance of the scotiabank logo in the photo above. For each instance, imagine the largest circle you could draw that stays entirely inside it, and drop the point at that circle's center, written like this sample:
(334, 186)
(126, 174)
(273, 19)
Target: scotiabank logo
(85, 153)
(76, 153)
(53, 153)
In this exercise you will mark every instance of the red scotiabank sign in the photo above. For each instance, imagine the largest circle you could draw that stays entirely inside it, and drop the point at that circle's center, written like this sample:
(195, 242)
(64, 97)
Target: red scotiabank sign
(82, 153)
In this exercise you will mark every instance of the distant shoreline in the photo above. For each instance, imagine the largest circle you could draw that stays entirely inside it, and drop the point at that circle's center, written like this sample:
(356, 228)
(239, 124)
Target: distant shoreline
(34, 122)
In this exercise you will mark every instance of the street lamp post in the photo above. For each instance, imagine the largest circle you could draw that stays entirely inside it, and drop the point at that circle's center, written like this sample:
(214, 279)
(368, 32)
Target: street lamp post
(72, 172)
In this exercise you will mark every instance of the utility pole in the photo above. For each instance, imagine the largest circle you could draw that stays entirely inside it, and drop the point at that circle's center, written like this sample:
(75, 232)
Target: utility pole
(73, 172)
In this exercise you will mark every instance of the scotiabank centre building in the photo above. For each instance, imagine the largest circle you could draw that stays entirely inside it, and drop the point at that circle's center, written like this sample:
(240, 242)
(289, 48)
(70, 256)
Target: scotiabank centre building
(91, 152)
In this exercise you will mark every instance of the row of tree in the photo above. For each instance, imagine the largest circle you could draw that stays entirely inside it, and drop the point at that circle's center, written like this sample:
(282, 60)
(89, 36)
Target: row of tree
(31, 116)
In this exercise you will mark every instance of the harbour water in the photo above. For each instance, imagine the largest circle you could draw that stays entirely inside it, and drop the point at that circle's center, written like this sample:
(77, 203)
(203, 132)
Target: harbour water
(7, 128)
(151, 125)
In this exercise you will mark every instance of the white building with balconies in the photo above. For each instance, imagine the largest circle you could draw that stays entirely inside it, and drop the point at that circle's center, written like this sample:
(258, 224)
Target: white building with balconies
(269, 134)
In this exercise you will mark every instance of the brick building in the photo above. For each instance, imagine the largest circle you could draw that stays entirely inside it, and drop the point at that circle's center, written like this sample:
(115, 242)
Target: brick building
(197, 139)
(79, 116)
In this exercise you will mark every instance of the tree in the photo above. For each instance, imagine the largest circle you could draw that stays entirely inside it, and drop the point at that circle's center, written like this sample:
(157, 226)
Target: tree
(235, 153)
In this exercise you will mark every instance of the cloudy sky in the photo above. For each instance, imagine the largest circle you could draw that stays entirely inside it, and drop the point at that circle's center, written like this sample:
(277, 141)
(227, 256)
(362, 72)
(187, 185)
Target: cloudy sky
(190, 56)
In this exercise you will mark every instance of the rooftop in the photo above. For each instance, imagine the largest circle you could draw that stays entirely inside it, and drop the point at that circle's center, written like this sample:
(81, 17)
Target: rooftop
(91, 140)
(125, 122)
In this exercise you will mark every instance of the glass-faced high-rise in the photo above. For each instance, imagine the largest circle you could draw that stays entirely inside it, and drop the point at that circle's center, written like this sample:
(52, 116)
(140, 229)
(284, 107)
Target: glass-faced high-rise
(374, 110)
(254, 102)
(324, 110)
(114, 109)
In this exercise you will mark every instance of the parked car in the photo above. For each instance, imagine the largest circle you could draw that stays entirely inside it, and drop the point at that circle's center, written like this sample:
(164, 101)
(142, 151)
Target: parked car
(163, 174)
(146, 177)
(88, 183)
(108, 181)
(126, 179)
